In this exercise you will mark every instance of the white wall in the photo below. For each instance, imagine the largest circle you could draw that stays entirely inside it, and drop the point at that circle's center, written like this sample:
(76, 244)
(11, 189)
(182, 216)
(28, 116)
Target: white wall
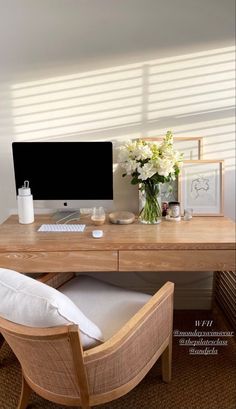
(73, 70)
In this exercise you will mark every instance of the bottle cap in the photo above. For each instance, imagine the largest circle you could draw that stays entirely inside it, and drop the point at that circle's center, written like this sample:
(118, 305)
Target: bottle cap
(25, 189)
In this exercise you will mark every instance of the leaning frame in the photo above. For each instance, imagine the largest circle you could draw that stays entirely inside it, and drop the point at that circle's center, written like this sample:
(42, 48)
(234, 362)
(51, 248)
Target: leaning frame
(202, 189)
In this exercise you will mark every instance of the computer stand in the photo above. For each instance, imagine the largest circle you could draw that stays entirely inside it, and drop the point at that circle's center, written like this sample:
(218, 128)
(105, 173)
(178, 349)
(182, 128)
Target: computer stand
(65, 216)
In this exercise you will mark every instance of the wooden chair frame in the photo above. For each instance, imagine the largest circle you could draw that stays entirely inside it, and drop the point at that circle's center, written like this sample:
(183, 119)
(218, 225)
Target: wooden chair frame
(55, 366)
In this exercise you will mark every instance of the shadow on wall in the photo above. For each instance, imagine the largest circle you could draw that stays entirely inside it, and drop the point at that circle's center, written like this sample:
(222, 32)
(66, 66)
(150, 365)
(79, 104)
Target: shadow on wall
(191, 94)
(131, 99)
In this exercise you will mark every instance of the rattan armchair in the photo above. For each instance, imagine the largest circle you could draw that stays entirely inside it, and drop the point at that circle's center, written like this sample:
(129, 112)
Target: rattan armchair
(56, 367)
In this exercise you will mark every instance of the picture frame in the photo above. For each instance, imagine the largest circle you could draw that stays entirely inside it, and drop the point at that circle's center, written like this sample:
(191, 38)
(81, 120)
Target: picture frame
(200, 187)
(169, 191)
(192, 148)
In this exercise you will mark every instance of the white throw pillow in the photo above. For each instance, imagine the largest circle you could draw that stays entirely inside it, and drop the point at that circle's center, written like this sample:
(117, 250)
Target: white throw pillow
(29, 302)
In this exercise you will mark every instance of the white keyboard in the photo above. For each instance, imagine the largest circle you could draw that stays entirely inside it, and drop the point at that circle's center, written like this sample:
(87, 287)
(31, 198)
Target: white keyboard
(62, 228)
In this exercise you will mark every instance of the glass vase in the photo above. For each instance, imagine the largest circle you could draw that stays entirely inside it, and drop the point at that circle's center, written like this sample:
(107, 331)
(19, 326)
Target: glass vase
(150, 211)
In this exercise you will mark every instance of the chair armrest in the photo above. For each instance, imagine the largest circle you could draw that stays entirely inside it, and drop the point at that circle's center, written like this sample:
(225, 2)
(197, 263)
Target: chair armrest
(134, 349)
(163, 298)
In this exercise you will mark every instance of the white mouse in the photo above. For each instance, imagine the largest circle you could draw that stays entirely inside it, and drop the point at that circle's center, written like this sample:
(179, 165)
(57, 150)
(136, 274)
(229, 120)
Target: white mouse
(97, 234)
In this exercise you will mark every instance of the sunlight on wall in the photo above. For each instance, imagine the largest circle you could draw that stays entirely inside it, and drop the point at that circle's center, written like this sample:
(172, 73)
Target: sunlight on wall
(191, 94)
(138, 95)
(78, 104)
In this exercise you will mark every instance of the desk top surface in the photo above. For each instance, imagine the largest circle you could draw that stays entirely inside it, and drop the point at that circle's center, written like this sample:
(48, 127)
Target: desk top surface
(199, 233)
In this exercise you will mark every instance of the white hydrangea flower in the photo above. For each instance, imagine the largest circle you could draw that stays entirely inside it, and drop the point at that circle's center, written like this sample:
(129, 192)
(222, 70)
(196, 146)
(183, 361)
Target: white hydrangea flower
(123, 155)
(165, 166)
(142, 152)
(130, 167)
(146, 171)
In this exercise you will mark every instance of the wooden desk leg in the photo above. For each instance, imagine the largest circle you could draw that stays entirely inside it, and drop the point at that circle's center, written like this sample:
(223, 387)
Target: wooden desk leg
(1, 340)
(55, 280)
(224, 298)
(213, 300)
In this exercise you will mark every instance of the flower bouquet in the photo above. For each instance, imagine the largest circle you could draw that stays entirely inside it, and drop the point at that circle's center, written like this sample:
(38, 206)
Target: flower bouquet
(149, 164)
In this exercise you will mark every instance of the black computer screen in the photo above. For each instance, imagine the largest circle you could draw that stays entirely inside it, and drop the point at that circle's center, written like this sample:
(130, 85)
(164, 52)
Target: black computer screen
(65, 170)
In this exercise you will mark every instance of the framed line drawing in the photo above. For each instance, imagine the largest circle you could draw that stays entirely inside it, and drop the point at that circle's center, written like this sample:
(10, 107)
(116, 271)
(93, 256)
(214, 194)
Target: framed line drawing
(201, 187)
(191, 147)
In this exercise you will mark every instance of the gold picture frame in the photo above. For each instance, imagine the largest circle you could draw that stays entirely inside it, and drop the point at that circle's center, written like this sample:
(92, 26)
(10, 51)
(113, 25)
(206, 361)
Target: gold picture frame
(193, 151)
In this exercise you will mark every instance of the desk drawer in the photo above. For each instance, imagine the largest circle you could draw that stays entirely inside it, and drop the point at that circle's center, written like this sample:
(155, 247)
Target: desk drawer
(176, 260)
(61, 261)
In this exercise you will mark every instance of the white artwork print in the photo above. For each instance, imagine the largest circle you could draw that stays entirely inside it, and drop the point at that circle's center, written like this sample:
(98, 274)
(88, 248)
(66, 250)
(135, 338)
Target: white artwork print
(202, 188)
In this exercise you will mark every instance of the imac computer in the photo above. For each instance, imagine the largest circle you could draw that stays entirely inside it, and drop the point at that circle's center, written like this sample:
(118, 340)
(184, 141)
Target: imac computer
(65, 175)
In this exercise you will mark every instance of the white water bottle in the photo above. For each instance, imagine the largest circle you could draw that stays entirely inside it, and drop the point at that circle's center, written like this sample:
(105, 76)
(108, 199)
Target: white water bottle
(25, 204)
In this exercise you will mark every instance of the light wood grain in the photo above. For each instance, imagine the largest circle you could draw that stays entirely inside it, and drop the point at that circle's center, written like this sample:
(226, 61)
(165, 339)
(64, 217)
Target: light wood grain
(198, 260)
(25, 249)
(166, 360)
(60, 261)
(25, 395)
(204, 233)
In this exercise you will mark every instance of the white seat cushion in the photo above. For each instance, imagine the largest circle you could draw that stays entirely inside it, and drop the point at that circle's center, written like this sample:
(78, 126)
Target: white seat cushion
(107, 305)
(26, 301)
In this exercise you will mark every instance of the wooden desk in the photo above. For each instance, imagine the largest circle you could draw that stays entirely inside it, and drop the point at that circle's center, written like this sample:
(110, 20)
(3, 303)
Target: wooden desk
(202, 244)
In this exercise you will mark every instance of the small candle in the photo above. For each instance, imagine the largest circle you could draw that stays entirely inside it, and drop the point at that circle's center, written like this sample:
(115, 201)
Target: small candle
(174, 210)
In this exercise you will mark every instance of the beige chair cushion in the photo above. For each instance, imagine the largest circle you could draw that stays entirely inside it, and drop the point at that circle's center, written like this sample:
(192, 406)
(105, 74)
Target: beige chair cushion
(106, 305)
